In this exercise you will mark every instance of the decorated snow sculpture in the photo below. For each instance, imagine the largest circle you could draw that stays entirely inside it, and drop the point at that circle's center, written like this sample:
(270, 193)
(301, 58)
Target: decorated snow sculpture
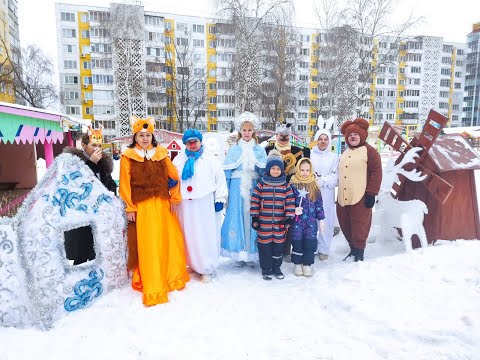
(38, 284)
(449, 188)
(392, 213)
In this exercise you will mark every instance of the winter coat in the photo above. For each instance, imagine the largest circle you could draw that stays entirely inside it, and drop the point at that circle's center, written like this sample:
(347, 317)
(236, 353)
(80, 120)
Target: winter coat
(273, 205)
(304, 226)
(102, 170)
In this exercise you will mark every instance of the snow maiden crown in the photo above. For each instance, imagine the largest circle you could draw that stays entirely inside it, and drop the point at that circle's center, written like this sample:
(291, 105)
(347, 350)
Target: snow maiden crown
(244, 117)
(142, 125)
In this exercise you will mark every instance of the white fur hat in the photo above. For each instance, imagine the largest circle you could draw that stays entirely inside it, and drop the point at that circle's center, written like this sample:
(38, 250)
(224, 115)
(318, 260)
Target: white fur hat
(247, 116)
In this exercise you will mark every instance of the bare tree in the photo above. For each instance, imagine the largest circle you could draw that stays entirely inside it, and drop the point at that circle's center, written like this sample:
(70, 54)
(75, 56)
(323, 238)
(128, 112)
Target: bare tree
(279, 67)
(360, 39)
(247, 21)
(30, 73)
(188, 84)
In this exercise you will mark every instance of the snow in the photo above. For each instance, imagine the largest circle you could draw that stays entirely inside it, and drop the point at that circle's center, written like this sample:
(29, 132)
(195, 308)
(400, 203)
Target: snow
(423, 304)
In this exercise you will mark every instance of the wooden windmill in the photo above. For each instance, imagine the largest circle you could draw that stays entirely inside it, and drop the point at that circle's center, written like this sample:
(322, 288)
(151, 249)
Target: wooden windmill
(449, 189)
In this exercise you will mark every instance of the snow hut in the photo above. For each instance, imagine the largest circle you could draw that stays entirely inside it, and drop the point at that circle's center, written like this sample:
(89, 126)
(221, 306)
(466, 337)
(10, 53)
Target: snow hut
(38, 284)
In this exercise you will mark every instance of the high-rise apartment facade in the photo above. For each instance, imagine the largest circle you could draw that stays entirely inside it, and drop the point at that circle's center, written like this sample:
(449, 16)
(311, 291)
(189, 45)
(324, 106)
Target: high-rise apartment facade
(9, 44)
(420, 74)
(471, 106)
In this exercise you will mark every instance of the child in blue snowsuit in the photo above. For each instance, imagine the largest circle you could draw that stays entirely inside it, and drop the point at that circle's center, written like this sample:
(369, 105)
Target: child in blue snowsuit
(309, 209)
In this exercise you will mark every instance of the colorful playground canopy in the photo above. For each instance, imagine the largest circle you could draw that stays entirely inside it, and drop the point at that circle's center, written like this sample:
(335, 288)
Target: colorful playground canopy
(22, 124)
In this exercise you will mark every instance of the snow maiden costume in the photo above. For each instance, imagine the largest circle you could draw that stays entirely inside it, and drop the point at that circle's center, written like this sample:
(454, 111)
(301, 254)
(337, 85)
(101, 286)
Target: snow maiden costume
(325, 165)
(304, 229)
(243, 166)
(204, 192)
(144, 186)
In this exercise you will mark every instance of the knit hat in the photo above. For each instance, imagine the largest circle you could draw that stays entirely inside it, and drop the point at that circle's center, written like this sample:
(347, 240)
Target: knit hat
(192, 134)
(142, 125)
(359, 126)
(274, 158)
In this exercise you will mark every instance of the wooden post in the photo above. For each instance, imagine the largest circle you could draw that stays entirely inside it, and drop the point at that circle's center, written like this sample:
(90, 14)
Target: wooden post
(70, 139)
(48, 149)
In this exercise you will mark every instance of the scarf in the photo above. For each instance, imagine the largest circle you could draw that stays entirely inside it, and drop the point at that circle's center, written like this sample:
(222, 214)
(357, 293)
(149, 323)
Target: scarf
(283, 148)
(189, 167)
(309, 183)
(274, 181)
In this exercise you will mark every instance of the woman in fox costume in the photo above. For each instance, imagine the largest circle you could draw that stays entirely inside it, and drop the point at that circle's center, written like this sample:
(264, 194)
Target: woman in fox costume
(149, 185)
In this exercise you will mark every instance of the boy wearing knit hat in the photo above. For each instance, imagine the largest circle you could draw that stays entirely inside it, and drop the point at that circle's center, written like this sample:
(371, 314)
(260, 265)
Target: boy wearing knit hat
(360, 176)
(204, 192)
(272, 208)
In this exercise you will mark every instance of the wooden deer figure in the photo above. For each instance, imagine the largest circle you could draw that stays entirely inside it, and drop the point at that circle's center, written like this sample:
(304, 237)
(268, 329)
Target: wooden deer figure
(406, 215)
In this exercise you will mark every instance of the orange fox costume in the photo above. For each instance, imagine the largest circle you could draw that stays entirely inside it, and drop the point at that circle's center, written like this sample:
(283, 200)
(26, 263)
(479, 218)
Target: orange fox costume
(161, 256)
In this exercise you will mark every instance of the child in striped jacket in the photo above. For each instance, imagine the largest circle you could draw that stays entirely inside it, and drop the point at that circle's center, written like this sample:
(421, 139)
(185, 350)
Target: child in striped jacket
(272, 208)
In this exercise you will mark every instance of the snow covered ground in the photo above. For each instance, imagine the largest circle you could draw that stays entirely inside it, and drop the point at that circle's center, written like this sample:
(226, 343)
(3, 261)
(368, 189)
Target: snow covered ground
(420, 305)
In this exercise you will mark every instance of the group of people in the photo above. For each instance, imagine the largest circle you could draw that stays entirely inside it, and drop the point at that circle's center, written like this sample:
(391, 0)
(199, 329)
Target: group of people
(261, 205)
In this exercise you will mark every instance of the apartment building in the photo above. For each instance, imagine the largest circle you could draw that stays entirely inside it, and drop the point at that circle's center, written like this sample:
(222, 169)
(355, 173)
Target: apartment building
(9, 43)
(422, 73)
(471, 105)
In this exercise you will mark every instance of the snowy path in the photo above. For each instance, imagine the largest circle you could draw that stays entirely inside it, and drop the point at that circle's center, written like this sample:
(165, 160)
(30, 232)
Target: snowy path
(422, 305)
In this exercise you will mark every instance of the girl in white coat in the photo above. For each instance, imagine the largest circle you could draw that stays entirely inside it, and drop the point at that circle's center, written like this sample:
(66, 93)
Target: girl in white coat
(325, 165)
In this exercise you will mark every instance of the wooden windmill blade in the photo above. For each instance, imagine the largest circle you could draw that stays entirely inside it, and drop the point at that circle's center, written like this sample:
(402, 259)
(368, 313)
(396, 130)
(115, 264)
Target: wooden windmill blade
(439, 188)
(432, 128)
(392, 137)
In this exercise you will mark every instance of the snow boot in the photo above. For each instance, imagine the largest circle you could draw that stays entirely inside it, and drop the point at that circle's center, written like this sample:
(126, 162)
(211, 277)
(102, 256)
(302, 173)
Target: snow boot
(322, 257)
(278, 273)
(307, 271)
(358, 255)
(267, 274)
(298, 270)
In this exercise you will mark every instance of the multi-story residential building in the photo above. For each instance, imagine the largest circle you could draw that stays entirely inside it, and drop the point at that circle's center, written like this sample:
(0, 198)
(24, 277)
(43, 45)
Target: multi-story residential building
(471, 105)
(183, 69)
(9, 44)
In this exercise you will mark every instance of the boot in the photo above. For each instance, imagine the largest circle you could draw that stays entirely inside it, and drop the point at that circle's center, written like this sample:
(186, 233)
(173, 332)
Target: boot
(298, 270)
(307, 270)
(358, 256)
(267, 274)
(278, 273)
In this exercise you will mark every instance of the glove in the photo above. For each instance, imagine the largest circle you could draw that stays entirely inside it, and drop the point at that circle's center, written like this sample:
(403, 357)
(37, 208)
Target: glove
(218, 206)
(172, 183)
(255, 223)
(369, 201)
(288, 222)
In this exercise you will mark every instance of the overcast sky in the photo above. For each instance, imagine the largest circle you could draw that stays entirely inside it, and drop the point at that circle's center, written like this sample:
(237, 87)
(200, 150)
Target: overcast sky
(452, 21)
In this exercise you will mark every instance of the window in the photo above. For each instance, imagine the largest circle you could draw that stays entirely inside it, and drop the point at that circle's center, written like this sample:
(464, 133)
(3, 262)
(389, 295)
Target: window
(198, 28)
(102, 79)
(447, 48)
(302, 102)
(411, 104)
(455, 107)
(99, 16)
(458, 74)
(458, 85)
(153, 21)
(445, 72)
(412, 93)
(445, 83)
(414, 57)
(391, 93)
(182, 42)
(379, 93)
(444, 94)
(72, 110)
(213, 127)
(154, 51)
(302, 128)
(71, 95)
(198, 43)
(446, 60)
(392, 81)
(85, 34)
(66, 16)
(88, 95)
(69, 33)
(98, 32)
(101, 63)
(84, 18)
(86, 65)
(304, 51)
(303, 64)
(70, 79)
(198, 71)
(415, 69)
(69, 48)
(443, 105)
(70, 64)
(380, 81)
(103, 110)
